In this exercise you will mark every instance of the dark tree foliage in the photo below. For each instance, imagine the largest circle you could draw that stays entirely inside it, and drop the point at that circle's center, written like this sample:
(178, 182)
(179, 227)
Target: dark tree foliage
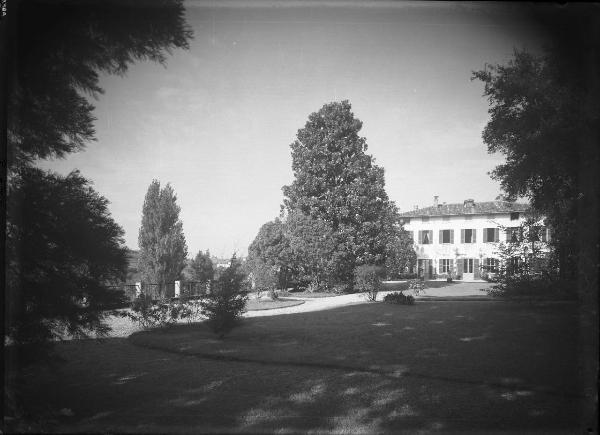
(541, 120)
(337, 182)
(545, 118)
(56, 53)
(202, 267)
(60, 48)
(64, 253)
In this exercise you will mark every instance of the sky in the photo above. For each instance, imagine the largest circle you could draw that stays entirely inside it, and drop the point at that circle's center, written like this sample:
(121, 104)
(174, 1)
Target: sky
(217, 120)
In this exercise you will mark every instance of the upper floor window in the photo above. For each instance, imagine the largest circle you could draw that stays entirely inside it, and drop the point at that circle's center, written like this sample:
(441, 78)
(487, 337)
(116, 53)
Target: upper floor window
(468, 235)
(514, 216)
(491, 235)
(426, 237)
(425, 219)
(446, 236)
(468, 217)
(445, 218)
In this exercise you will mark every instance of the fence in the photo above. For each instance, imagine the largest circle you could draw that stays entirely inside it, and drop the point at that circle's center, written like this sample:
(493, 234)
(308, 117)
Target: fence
(163, 291)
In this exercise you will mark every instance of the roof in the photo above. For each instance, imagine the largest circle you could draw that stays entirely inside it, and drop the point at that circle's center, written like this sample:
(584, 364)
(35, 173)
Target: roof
(490, 207)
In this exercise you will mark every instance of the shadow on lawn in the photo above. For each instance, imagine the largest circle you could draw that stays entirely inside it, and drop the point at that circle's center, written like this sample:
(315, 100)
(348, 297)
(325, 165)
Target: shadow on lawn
(460, 366)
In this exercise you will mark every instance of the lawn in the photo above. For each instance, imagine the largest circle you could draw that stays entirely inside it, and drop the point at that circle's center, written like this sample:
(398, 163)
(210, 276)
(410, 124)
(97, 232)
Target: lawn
(267, 304)
(450, 366)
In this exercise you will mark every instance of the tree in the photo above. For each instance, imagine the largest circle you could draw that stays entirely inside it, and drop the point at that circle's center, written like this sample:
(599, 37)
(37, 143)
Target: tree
(314, 249)
(59, 50)
(545, 118)
(202, 267)
(55, 56)
(541, 119)
(162, 244)
(270, 250)
(337, 182)
(65, 251)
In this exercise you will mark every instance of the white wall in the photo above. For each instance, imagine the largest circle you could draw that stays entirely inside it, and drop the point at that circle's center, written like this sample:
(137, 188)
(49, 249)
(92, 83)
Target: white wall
(479, 249)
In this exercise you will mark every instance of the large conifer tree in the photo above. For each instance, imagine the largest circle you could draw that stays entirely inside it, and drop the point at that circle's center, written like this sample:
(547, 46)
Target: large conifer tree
(161, 241)
(337, 182)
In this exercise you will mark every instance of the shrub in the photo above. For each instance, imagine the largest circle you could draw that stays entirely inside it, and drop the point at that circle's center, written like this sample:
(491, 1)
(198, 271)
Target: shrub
(149, 314)
(398, 298)
(368, 279)
(530, 287)
(227, 302)
(416, 285)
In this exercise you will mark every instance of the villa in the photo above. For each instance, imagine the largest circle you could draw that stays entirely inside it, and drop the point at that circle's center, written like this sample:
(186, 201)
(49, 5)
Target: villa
(460, 240)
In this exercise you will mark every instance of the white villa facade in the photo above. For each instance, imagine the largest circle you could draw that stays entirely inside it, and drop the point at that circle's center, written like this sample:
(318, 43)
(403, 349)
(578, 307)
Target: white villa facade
(460, 240)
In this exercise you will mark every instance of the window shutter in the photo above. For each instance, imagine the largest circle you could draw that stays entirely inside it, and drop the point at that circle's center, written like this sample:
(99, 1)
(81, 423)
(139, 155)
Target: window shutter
(485, 235)
(549, 235)
(476, 269)
(430, 237)
(462, 236)
(543, 231)
(420, 237)
(441, 266)
(441, 239)
(451, 267)
(496, 235)
(473, 235)
(452, 236)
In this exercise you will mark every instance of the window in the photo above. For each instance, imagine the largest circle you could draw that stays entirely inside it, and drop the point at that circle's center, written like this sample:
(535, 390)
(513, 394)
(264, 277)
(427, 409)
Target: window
(535, 233)
(467, 265)
(514, 216)
(468, 217)
(513, 265)
(445, 218)
(426, 237)
(491, 235)
(446, 236)
(468, 236)
(491, 264)
(446, 265)
(545, 234)
(425, 219)
(405, 220)
(513, 234)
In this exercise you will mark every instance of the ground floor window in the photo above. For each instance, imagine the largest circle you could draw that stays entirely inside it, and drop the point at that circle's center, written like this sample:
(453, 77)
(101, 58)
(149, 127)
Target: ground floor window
(445, 265)
(468, 265)
(491, 264)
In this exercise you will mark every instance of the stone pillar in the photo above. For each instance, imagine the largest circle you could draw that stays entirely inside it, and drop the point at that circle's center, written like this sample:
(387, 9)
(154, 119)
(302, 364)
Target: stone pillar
(177, 288)
(138, 289)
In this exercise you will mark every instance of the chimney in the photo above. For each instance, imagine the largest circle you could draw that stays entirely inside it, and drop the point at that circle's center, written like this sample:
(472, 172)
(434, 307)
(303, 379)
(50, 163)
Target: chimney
(435, 201)
(416, 207)
(469, 203)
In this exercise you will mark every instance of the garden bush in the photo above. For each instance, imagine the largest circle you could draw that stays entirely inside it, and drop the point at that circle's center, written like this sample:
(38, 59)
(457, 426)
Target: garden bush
(227, 302)
(526, 286)
(398, 298)
(368, 278)
(149, 314)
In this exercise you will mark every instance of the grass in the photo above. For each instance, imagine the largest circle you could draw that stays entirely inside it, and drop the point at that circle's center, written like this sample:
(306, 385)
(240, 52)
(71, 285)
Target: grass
(257, 305)
(453, 366)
